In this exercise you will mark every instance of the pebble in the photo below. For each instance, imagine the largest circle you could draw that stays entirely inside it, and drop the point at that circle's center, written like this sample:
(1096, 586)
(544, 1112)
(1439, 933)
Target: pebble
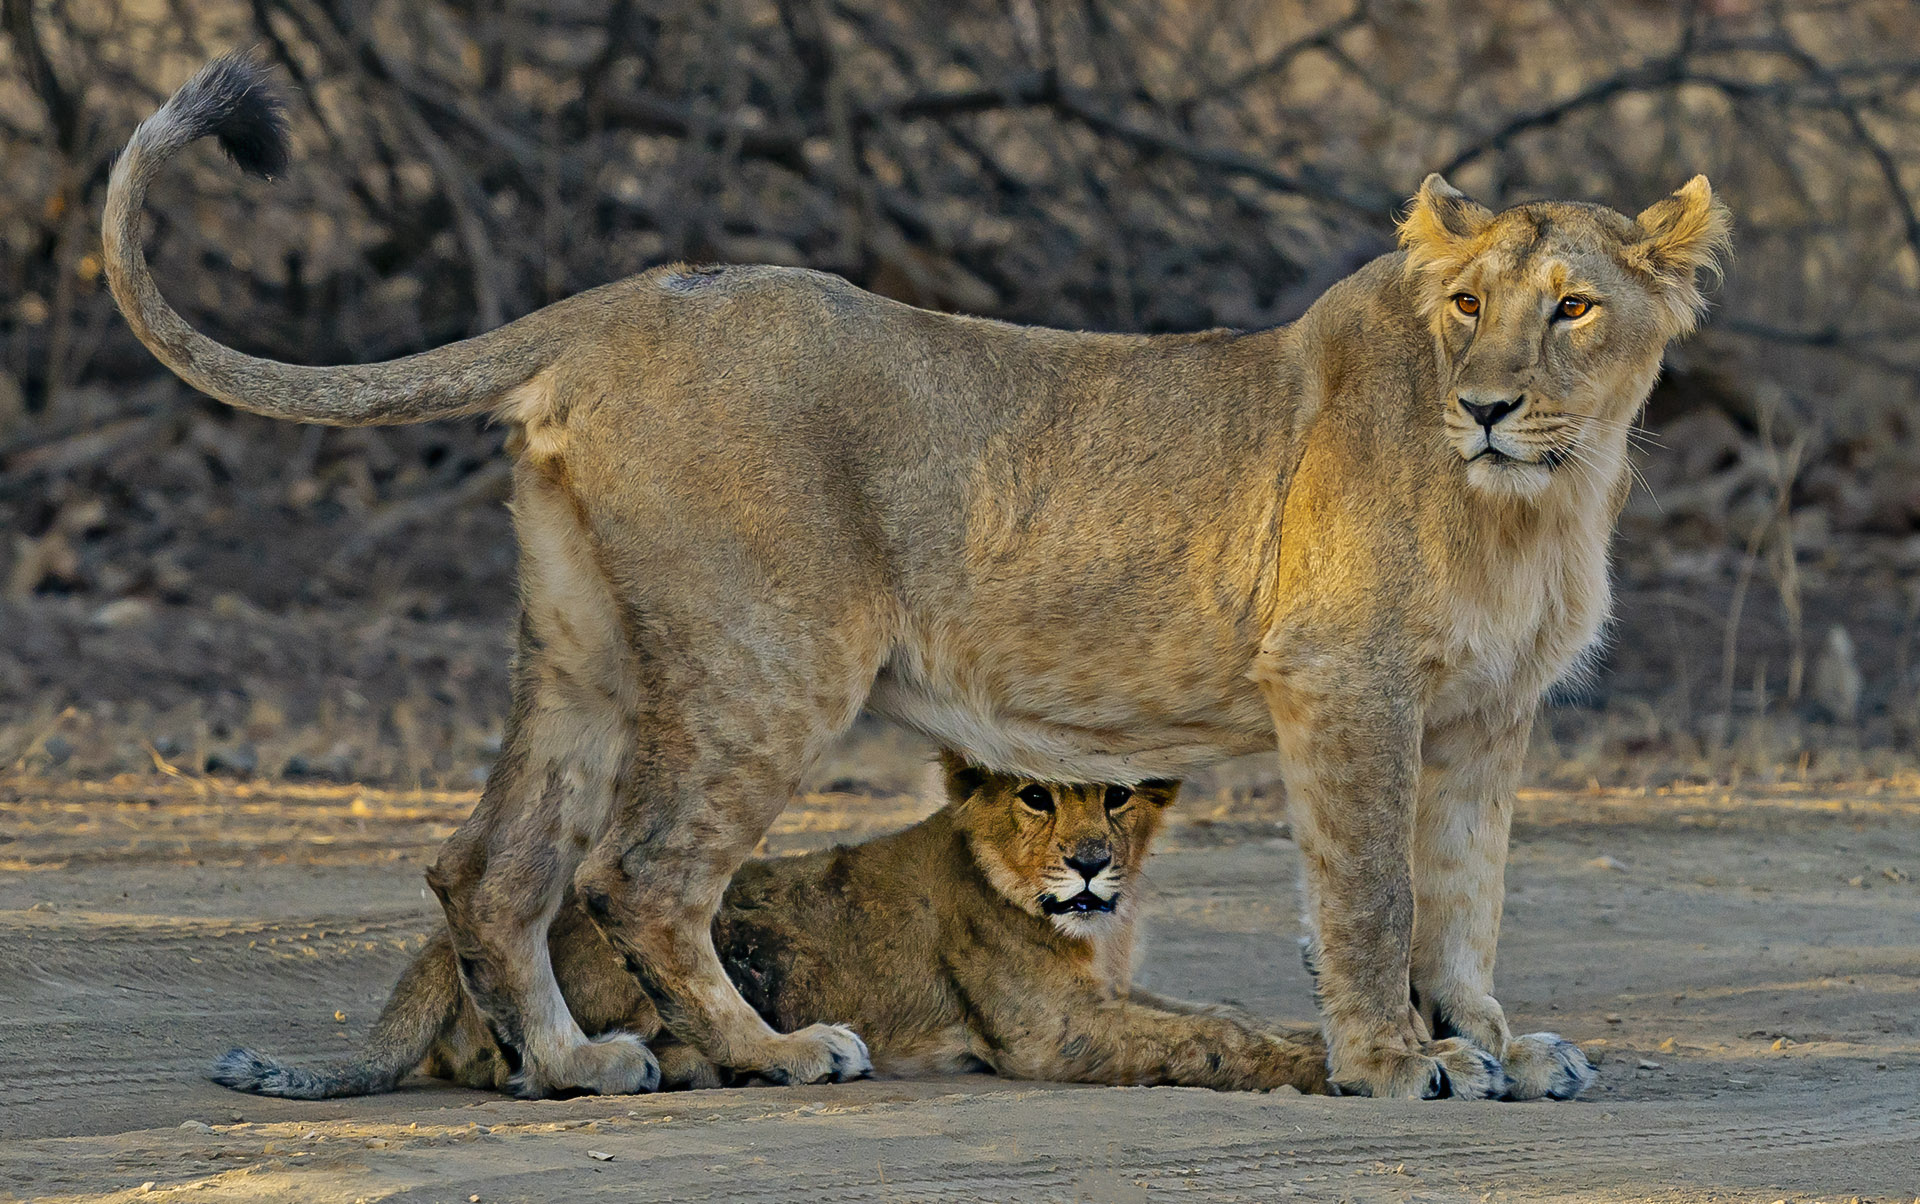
(57, 748)
(196, 1126)
(600, 1155)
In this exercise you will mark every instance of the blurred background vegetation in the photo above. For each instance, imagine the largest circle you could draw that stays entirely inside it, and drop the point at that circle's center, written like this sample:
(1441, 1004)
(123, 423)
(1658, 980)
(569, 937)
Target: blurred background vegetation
(189, 589)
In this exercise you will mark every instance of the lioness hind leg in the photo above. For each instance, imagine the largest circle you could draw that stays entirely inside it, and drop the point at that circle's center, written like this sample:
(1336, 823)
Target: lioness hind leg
(502, 876)
(654, 884)
(1459, 867)
(501, 879)
(712, 771)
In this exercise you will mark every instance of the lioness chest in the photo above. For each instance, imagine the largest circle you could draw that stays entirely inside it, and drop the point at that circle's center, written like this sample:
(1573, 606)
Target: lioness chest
(1518, 622)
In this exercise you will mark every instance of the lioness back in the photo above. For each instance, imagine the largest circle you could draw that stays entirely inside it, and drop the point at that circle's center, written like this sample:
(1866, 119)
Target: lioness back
(1010, 911)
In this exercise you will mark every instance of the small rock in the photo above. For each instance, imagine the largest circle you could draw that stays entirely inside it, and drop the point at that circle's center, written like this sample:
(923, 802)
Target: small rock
(44, 906)
(242, 760)
(1780, 1043)
(144, 1188)
(1607, 862)
(600, 1155)
(1858, 880)
(122, 613)
(196, 1126)
(1836, 678)
(58, 749)
(1894, 873)
(1667, 1046)
(1648, 1065)
(339, 1017)
(1614, 1018)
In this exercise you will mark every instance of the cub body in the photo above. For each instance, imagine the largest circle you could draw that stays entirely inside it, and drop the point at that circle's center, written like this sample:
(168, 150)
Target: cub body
(997, 934)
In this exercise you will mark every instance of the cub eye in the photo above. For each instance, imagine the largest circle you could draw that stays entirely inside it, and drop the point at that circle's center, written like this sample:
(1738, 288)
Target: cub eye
(1573, 307)
(1466, 303)
(1118, 797)
(1037, 797)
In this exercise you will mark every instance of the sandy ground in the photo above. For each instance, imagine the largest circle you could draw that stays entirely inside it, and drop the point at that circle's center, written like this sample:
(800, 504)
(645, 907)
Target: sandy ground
(1746, 967)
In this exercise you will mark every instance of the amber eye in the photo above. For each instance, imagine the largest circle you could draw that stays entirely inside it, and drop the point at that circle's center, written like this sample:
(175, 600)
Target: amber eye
(1118, 797)
(1466, 303)
(1573, 307)
(1037, 797)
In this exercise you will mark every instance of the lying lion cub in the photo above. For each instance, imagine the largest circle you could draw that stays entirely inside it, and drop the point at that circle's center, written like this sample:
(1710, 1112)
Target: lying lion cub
(995, 934)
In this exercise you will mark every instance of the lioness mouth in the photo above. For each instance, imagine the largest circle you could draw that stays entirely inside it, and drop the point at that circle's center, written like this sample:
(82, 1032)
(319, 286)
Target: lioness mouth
(1080, 904)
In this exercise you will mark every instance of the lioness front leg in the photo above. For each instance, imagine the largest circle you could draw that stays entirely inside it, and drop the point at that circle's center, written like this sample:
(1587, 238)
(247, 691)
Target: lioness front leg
(1349, 748)
(1459, 867)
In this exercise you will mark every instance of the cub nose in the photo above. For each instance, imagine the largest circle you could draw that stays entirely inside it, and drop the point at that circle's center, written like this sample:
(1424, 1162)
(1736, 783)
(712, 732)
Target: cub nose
(1088, 864)
(1489, 413)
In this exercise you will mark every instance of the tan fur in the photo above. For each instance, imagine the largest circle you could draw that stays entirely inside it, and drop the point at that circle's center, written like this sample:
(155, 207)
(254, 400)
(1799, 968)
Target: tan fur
(753, 500)
(933, 941)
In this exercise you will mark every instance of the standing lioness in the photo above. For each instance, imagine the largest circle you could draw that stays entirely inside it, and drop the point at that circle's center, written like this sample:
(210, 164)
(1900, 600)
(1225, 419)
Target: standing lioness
(997, 933)
(751, 501)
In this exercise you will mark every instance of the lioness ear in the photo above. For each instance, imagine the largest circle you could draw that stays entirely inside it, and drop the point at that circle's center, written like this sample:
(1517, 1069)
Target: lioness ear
(963, 780)
(1681, 235)
(1440, 226)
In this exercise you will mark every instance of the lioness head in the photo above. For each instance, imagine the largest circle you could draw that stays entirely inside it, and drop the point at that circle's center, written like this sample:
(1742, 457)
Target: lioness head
(1551, 319)
(1071, 853)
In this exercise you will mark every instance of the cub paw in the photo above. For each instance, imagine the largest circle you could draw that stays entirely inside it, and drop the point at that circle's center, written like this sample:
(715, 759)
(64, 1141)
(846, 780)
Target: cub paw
(1450, 1069)
(1546, 1066)
(611, 1064)
(817, 1053)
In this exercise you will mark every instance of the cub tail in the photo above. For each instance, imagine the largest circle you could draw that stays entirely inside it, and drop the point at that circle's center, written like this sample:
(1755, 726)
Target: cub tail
(424, 1004)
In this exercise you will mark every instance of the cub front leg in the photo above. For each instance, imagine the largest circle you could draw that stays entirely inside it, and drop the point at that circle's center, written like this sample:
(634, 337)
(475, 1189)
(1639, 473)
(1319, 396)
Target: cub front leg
(1085, 1038)
(1459, 867)
(1349, 737)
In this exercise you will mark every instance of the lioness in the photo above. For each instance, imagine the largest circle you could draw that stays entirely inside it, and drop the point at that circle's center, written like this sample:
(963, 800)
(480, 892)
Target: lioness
(997, 933)
(751, 501)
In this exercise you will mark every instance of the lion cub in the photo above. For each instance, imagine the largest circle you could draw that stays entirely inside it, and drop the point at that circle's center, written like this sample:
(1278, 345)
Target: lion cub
(995, 934)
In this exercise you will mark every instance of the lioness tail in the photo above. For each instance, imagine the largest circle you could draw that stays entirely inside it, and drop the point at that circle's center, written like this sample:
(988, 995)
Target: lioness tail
(233, 100)
(424, 1003)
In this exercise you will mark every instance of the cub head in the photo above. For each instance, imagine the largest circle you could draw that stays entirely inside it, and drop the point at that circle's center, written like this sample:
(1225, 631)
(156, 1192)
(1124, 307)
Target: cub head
(1551, 319)
(1070, 853)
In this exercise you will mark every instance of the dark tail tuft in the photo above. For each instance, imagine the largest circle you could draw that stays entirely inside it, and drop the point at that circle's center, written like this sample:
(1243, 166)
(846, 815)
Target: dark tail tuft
(235, 100)
(259, 1074)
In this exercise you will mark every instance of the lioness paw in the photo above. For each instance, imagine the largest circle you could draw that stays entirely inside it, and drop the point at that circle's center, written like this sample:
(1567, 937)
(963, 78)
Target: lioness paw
(1546, 1065)
(1450, 1069)
(611, 1064)
(817, 1053)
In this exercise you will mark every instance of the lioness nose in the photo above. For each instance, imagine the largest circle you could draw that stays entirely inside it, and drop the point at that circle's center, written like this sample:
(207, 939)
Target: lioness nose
(1488, 413)
(1088, 865)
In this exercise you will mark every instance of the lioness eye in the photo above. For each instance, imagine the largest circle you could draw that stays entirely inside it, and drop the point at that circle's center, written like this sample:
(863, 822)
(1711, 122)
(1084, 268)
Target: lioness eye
(1117, 797)
(1037, 797)
(1466, 303)
(1573, 307)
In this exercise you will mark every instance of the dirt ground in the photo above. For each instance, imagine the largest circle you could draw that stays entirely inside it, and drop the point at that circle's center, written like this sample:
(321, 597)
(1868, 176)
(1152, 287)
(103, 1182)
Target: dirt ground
(1745, 967)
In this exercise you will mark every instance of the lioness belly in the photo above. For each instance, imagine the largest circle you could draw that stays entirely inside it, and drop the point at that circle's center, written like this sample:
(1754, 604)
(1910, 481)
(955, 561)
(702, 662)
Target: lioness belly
(1104, 741)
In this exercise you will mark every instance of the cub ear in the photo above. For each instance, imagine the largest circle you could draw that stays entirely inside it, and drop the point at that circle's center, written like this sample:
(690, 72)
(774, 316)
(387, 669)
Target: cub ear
(1681, 235)
(963, 780)
(1440, 226)
(1159, 791)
